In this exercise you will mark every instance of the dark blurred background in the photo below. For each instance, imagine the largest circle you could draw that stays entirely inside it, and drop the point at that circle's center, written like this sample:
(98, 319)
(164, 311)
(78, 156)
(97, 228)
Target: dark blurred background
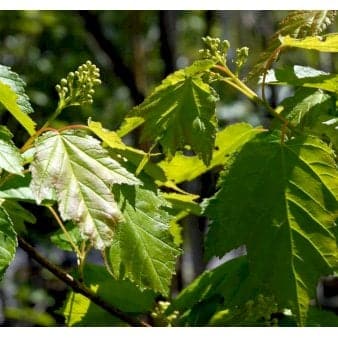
(135, 50)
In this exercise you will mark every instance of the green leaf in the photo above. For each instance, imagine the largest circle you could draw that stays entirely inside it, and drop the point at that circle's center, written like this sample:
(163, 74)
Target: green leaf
(312, 110)
(280, 200)
(303, 77)
(129, 124)
(143, 249)
(60, 239)
(176, 229)
(297, 24)
(109, 137)
(10, 158)
(181, 112)
(81, 173)
(323, 318)
(186, 168)
(28, 315)
(182, 205)
(255, 312)
(18, 215)
(13, 97)
(124, 152)
(327, 43)
(216, 287)
(8, 241)
(17, 188)
(80, 311)
(307, 104)
(183, 202)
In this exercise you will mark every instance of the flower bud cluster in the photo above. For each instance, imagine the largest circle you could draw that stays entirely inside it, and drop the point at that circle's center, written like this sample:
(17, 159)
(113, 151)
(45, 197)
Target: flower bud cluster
(215, 49)
(160, 317)
(241, 57)
(78, 87)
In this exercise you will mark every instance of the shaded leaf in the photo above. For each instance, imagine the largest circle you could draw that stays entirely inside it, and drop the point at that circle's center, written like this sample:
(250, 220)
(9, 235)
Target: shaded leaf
(28, 315)
(322, 318)
(17, 188)
(81, 173)
(307, 104)
(181, 112)
(60, 239)
(255, 312)
(311, 110)
(10, 158)
(19, 215)
(216, 287)
(280, 200)
(80, 311)
(143, 249)
(8, 241)
(13, 97)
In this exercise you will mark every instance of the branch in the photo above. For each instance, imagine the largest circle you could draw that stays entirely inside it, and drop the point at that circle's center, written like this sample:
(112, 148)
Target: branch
(76, 286)
(93, 26)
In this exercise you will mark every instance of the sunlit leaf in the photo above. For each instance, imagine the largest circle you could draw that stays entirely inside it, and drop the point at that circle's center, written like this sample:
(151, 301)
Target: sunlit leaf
(186, 168)
(129, 124)
(13, 97)
(181, 112)
(327, 43)
(10, 158)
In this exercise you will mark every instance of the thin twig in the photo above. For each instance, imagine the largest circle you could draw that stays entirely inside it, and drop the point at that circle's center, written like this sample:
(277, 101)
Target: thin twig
(60, 223)
(76, 286)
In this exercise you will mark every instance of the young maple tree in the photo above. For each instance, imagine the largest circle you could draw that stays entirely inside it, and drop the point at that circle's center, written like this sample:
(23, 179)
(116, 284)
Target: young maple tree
(277, 191)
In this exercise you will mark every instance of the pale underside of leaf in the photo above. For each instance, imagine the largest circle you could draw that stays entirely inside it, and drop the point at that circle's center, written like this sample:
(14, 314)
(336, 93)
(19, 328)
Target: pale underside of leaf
(303, 77)
(81, 173)
(281, 202)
